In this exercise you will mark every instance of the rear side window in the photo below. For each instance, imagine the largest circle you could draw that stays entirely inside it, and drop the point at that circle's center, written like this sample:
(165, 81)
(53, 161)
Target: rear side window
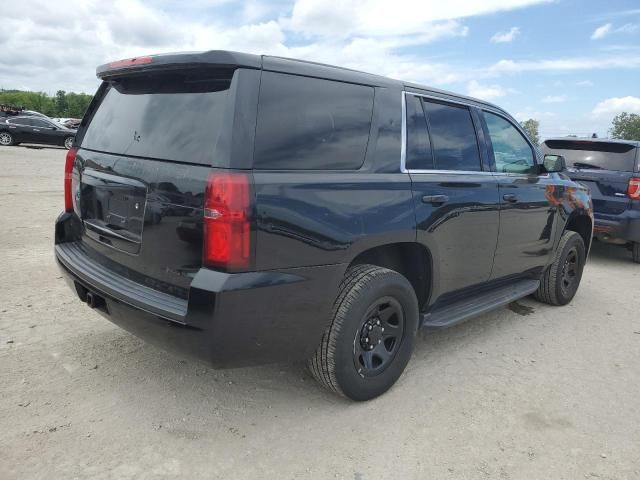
(418, 155)
(20, 121)
(453, 137)
(170, 116)
(596, 155)
(311, 124)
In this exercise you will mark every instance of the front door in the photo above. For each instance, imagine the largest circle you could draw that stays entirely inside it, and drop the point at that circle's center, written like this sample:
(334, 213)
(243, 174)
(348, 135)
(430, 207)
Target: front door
(528, 212)
(456, 200)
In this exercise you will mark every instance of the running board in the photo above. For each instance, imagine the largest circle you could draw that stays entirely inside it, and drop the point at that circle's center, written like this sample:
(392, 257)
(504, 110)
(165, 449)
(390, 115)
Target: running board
(462, 310)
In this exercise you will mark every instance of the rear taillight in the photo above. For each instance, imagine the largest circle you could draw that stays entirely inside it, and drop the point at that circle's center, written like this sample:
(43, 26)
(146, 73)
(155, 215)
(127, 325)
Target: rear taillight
(68, 169)
(633, 190)
(227, 223)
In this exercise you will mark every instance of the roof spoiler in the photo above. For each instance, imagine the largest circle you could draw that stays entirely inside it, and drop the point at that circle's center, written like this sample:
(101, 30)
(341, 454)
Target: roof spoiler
(170, 61)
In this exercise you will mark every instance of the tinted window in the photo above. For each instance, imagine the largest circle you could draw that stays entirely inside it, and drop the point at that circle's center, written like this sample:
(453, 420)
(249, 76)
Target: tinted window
(36, 122)
(453, 137)
(308, 123)
(20, 121)
(175, 116)
(418, 154)
(512, 153)
(597, 155)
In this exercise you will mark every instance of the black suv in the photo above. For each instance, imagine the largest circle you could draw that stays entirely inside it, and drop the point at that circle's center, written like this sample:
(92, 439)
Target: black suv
(611, 171)
(34, 129)
(244, 209)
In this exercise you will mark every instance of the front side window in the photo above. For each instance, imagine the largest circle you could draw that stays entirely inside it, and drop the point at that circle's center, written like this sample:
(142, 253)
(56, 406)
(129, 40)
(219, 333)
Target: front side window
(512, 153)
(309, 123)
(35, 122)
(453, 137)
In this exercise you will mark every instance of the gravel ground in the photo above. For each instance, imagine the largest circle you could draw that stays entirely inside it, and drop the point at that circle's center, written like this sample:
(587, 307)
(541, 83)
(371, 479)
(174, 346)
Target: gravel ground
(526, 392)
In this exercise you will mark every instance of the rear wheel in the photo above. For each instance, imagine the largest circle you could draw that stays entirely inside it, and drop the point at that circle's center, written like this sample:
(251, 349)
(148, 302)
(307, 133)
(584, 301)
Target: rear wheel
(635, 252)
(6, 139)
(370, 340)
(560, 282)
(68, 142)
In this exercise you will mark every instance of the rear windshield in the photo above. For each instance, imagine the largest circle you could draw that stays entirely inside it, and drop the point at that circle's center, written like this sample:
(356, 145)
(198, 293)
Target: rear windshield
(169, 116)
(596, 155)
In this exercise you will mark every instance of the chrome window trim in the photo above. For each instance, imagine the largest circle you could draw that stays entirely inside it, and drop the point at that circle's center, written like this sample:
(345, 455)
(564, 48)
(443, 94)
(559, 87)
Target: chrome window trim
(403, 137)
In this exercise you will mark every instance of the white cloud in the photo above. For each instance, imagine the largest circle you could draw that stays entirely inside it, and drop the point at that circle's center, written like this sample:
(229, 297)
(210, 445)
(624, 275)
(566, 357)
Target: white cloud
(613, 106)
(506, 37)
(564, 64)
(628, 28)
(381, 17)
(585, 83)
(485, 92)
(554, 99)
(601, 31)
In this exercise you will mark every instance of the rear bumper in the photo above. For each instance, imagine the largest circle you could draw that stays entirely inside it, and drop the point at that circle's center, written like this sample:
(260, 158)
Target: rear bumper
(228, 320)
(625, 226)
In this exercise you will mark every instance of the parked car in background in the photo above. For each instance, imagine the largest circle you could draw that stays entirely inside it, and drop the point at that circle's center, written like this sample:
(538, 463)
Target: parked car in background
(29, 129)
(73, 123)
(611, 171)
(307, 212)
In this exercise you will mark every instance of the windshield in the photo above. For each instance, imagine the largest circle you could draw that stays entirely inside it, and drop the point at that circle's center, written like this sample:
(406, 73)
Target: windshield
(596, 155)
(171, 116)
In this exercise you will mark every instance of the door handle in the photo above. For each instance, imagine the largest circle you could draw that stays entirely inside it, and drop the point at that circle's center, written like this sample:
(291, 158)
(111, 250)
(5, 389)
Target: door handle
(435, 199)
(510, 197)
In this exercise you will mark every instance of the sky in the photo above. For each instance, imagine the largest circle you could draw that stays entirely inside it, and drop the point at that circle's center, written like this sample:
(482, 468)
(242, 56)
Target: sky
(571, 64)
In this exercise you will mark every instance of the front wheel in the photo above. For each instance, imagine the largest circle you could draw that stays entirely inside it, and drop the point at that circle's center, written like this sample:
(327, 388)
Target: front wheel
(68, 143)
(370, 340)
(560, 281)
(6, 139)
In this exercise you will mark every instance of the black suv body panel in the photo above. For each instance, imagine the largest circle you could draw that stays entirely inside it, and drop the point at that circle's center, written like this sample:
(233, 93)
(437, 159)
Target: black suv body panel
(464, 232)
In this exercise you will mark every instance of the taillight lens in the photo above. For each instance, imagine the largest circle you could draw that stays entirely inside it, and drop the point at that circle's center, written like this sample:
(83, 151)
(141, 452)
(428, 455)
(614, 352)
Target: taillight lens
(227, 224)
(68, 169)
(634, 188)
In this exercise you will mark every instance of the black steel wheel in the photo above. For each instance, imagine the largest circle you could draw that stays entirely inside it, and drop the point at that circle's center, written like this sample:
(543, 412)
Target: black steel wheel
(561, 280)
(370, 339)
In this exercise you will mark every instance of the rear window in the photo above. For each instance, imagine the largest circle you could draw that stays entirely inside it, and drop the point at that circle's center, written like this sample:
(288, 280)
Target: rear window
(596, 155)
(311, 124)
(169, 116)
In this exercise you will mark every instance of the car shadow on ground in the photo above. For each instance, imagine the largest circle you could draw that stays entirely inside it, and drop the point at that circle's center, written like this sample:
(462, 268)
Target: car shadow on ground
(607, 253)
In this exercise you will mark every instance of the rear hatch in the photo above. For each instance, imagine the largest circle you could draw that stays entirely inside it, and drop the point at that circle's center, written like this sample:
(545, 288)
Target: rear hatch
(604, 167)
(146, 149)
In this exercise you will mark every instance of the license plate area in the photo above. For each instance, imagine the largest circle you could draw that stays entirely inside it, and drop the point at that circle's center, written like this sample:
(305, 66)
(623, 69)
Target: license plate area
(112, 209)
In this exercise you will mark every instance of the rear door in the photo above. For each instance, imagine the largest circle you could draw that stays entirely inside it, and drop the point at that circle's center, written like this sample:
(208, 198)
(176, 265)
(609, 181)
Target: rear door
(455, 196)
(145, 157)
(604, 167)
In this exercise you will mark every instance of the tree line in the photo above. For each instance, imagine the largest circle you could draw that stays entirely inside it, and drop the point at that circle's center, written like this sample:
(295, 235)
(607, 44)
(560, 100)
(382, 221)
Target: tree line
(625, 126)
(62, 104)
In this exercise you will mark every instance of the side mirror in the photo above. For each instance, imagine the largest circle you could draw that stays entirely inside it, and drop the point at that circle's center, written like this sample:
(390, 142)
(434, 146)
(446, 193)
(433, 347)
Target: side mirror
(554, 163)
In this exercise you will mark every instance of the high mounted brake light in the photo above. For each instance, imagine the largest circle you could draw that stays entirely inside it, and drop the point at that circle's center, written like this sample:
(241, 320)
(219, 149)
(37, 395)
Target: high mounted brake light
(227, 224)
(68, 168)
(130, 62)
(633, 190)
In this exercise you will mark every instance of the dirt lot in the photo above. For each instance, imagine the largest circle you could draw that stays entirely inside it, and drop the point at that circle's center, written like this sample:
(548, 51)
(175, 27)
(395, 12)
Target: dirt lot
(530, 392)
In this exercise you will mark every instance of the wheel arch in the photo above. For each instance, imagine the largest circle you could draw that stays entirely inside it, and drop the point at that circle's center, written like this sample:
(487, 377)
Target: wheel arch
(411, 259)
(582, 224)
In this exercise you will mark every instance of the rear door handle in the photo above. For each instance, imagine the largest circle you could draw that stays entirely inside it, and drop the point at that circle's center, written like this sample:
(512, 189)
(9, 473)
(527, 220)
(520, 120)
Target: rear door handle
(510, 197)
(435, 199)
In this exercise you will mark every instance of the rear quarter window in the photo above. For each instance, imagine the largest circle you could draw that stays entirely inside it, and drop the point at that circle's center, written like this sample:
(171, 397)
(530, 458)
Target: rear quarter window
(311, 124)
(597, 155)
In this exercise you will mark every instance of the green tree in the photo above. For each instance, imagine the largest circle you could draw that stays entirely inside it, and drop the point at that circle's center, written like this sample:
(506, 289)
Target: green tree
(531, 127)
(625, 126)
(61, 105)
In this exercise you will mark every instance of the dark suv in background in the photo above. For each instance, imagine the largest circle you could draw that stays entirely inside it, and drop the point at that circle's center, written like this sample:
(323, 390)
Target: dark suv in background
(299, 211)
(611, 171)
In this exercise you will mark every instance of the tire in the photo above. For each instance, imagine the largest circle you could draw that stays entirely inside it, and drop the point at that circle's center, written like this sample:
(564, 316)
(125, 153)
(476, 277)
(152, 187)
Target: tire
(356, 358)
(635, 252)
(68, 143)
(560, 281)
(6, 139)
